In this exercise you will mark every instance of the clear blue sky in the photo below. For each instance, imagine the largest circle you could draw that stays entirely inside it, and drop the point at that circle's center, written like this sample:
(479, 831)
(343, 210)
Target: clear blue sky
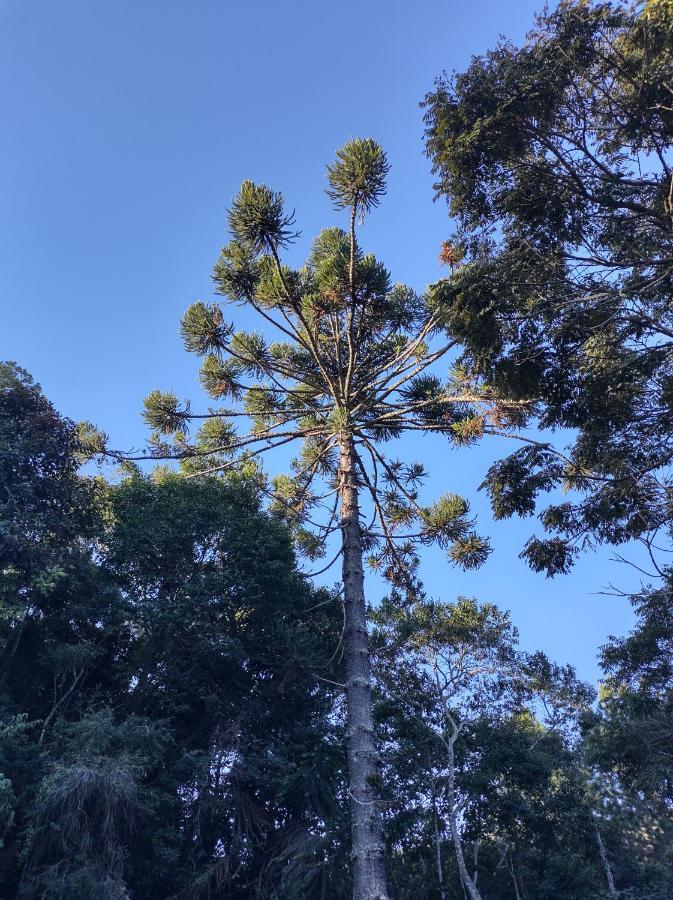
(128, 125)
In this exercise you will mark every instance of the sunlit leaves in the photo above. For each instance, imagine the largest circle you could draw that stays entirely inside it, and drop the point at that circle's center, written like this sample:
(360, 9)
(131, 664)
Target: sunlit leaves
(330, 247)
(216, 434)
(250, 351)
(447, 522)
(263, 407)
(92, 440)
(329, 262)
(467, 429)
(447, 519)
(276, 287)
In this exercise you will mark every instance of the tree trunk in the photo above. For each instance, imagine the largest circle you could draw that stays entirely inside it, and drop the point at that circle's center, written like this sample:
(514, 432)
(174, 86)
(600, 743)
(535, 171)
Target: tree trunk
(468, 884)
(367, 854)
(438, 845)
(612, 890)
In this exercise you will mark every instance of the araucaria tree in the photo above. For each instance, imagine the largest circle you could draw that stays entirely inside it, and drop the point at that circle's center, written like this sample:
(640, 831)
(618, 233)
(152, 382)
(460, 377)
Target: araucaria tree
(344, 362)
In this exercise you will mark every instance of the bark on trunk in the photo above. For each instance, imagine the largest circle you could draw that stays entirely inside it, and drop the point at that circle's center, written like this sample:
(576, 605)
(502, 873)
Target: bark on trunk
(438, 847)
(468, 884)
(369, 879)
(612, 890)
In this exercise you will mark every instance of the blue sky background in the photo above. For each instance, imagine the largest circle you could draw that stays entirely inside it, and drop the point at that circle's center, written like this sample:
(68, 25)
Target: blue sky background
(128, 127)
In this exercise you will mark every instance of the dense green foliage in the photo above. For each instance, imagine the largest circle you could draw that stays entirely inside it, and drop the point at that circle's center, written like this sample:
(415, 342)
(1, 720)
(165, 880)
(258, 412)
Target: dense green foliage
(172, 720)
(161, 734)
(556, 159)
(176, 696)
(344, 362)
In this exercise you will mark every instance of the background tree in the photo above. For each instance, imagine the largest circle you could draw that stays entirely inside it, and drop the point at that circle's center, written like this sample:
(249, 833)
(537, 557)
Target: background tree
(556, 160)
(172, 724)
(628, 746)
(166, 729)
(455, 655)
(231, 651)
(481, 758)
(350, 365)
(61, 620)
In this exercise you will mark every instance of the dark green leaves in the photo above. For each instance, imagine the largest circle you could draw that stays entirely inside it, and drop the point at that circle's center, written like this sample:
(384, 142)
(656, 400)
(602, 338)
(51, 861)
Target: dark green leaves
(221, 377)
(553, 556)
(555, 159)
(514, 483)
(470, 551)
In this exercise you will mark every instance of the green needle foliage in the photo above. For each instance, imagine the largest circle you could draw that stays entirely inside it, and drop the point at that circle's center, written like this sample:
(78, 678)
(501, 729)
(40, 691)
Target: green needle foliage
(341, 350)
(344, 362)
(358, 177)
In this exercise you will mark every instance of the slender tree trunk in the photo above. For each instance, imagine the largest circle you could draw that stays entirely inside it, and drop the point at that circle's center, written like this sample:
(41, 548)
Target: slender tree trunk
(510, 869)
(438, 846)
(612, 890)
(468, 884)
(59, 703)
(369, 877)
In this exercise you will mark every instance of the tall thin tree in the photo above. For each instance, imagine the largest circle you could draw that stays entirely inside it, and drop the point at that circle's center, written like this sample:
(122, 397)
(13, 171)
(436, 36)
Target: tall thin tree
(352, 367)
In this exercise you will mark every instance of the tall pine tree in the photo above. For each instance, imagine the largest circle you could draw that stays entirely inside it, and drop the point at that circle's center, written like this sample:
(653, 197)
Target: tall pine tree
(344, 362)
